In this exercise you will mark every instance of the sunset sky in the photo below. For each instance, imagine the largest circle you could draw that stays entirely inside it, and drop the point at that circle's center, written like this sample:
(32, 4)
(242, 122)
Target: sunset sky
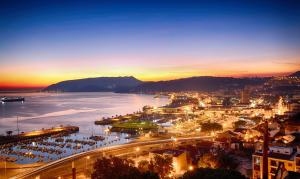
(43, 43)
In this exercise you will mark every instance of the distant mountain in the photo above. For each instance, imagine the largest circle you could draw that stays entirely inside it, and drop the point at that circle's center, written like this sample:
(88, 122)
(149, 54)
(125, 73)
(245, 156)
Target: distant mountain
(202, 83)
(131, 84)
(101, 84)
(296, 74)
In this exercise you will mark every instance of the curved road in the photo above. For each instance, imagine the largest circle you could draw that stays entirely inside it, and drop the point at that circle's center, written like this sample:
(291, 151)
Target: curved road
(83, 161)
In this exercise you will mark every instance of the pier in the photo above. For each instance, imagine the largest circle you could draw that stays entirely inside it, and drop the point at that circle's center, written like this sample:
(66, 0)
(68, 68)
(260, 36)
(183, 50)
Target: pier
(38, 133)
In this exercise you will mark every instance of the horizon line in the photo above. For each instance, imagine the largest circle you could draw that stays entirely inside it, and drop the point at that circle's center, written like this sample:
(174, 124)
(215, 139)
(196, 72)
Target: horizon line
(250, 75)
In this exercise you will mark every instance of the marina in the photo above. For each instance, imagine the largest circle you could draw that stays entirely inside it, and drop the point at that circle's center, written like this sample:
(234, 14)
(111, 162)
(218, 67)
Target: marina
(55, 145)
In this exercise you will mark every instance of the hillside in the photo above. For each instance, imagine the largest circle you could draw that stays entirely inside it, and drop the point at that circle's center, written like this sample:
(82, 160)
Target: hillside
(131, 84)
(203, 83)
(296, 74)
(101, 84)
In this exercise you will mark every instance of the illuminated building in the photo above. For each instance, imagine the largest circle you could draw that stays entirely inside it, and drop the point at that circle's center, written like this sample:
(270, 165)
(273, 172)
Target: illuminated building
(245, 97)
(278, 156)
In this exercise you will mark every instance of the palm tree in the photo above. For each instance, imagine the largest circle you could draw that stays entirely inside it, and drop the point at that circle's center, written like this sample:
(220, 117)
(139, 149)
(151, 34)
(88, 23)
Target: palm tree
(9, 133)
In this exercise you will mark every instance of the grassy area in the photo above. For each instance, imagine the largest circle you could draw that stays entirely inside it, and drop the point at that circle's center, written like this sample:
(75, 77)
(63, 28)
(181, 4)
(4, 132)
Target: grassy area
(144, 125)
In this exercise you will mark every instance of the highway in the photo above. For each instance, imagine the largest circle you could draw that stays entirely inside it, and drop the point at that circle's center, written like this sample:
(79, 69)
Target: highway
(83, 162)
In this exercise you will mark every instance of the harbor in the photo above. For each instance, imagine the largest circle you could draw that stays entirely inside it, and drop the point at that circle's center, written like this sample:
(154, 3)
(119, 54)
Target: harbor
(47, 145)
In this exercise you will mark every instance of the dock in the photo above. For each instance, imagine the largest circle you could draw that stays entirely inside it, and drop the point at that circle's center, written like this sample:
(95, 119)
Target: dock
(38, 133)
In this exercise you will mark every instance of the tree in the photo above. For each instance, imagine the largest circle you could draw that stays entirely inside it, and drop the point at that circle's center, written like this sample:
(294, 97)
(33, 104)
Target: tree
(112, 168)
(208, 173)
(149, 175)
(211, 126)
(117, 168)
(219, 160)
(143, 165)
(9, 133)
(239, 124)
(162, 165)
(227, 102)
(227, 161)
(208, 160)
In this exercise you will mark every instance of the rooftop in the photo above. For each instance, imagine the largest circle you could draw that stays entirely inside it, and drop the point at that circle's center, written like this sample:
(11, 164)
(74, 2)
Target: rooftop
(277, 155)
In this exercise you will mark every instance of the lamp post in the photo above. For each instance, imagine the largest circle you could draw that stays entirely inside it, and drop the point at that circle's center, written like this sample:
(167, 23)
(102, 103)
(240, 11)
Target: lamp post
(5, 168)
(86, 159)
(73, 170)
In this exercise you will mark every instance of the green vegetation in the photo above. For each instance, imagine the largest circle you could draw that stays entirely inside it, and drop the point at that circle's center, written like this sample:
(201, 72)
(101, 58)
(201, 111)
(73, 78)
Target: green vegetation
(208, 173)
(256, 120)
(208, 160)
(133, 126)
(218, 160)
(239, 124)
(162, 165)
(211, 126)
(144, 125)
(117, 168)
(104, 122)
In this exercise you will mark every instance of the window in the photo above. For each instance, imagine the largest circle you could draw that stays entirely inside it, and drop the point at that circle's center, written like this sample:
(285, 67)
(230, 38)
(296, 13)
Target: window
(273, 163)
(298, 162)
(257, 160)
(273, 170)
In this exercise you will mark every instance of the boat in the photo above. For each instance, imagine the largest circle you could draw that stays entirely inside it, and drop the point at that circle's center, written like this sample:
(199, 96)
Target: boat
(12, 99)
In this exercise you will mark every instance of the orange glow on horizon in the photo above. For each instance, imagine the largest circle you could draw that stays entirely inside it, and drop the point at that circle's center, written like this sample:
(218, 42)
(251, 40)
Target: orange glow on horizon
(41, 75)
(41, 82)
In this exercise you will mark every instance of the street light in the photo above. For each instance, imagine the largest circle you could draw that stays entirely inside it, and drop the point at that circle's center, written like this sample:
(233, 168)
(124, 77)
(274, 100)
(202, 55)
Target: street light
(137, 150)
(174, 141)
(191, 168)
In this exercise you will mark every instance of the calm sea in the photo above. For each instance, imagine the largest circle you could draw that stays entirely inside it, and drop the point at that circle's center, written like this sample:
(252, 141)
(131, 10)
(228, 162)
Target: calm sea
(45, 110)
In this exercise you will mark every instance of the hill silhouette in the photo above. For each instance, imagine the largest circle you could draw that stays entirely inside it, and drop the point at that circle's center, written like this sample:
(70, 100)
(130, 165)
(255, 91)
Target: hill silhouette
(100, 84)
(296, 74)
(202, 83)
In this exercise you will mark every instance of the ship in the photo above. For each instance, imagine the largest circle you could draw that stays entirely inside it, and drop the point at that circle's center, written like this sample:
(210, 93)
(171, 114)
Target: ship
(12, 99)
